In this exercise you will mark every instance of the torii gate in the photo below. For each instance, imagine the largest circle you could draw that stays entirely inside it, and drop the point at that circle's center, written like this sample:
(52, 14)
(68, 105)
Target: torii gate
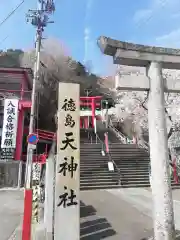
(153, 59)
(92, 102)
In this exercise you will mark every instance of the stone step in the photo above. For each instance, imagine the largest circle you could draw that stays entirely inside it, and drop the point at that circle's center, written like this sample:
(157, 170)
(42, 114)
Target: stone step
(105, 163)
(132, 174)
(133, 163)
(93, 157)
(111, 186)
(122, 170)
(95, 148)
(126, 170)
(98, 171)
(118, 157)
(100, 160)
(111, 149)
(136, 167)
(135, 185)
(98, 181)
(117, 145)
(129, 181)
(97, 174)
(135, 177)
(114, 176)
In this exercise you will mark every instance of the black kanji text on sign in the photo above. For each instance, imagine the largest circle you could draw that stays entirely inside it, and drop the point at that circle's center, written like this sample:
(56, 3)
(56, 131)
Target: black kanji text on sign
(69, 105)
(68, 141)
(68, 167)
(67, 200)
(69, 121)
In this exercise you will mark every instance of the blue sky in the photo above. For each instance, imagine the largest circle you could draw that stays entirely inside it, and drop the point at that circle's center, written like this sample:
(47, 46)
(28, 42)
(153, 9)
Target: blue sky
(78, 24)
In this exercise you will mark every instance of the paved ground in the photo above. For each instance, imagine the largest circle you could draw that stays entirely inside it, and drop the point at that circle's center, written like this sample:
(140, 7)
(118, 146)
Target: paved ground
(107, 214)
(11, 208)
(120, 214)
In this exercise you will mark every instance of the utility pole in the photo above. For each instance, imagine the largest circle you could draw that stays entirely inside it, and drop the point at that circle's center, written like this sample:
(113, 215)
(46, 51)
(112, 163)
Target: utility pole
(38, 18)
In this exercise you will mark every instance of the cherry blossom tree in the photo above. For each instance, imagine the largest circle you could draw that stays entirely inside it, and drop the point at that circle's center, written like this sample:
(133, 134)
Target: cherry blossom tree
(131, 107)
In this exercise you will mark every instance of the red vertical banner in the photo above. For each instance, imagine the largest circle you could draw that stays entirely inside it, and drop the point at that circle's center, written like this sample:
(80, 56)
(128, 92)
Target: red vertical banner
(106, 142)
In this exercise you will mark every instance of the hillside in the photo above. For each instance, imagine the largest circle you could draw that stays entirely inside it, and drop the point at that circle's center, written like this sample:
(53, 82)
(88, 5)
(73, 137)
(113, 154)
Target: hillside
(52, 71)
(10, 58)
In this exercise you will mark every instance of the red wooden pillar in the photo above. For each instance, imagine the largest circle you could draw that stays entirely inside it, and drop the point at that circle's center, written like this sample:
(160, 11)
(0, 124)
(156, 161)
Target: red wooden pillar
(93, 109)
(19, 137)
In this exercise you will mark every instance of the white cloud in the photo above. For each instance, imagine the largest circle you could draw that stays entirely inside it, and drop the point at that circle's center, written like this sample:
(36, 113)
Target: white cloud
(86, 33)
(142, 15)
(160, 12)
(175, 15)
(89, 4)
(171, 39)
(87, 39)
(157, 9)
(86, 42)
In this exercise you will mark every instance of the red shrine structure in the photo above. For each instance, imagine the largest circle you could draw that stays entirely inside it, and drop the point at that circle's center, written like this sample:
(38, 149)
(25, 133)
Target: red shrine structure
(92, 103)
(17, 82)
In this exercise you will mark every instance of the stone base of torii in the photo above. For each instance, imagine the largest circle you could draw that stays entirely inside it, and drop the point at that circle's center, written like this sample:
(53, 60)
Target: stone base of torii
(154, 59)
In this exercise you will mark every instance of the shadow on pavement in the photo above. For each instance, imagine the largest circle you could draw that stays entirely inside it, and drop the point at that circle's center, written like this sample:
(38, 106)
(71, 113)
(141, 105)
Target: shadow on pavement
(96, 228)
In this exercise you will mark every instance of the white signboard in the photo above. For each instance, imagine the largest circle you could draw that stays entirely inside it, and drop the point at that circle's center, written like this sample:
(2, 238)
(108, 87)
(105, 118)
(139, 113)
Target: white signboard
(67, 204)
(36, 171)
(10, 121)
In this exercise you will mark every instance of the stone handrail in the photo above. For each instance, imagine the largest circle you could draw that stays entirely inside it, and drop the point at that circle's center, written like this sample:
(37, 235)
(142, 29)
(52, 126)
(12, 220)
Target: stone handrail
(110, 157)
(120, 135)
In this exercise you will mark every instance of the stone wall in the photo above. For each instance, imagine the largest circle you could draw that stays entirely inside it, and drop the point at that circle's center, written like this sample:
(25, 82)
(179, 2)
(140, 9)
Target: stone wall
(9, 174)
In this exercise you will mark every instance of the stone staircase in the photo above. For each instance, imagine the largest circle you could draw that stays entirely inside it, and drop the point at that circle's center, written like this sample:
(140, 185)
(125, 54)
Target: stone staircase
(94, 172)
(133, 163)
(130, 159)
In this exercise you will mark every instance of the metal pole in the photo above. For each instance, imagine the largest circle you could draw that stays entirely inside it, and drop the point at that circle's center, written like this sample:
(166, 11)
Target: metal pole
(26, 231)
(39, 19)
(20, 174)
(33, 95)
(32, 114)
(161, 184)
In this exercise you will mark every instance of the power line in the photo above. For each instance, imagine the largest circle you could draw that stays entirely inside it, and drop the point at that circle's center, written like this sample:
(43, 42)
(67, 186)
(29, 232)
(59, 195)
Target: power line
(11, 13)
(4, 39)
(162, 4)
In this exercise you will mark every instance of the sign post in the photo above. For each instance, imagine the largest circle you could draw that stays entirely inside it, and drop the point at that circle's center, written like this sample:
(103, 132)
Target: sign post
(32, 140)
(67, 204)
